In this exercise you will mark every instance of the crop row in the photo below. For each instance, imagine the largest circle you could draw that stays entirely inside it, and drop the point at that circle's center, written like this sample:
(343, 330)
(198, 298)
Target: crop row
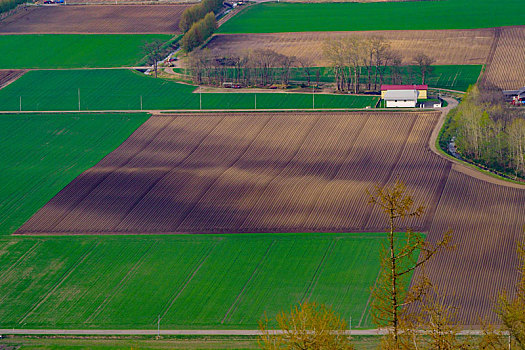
(235, 173)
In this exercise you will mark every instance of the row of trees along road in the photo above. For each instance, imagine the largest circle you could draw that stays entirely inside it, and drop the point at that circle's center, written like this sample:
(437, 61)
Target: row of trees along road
(370, 62)
(198, 23)
(488, 131)
(430, 325)
(351, 58)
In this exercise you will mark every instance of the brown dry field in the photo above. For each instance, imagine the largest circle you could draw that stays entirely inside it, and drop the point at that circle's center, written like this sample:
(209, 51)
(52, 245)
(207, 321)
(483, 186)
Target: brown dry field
(445, 46)
(10, 75)
(297, 172)
(506, 66)
(100, 19)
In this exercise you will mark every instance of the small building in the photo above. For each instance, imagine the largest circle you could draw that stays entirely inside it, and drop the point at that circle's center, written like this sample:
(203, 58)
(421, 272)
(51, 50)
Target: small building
(400, 98)
(421, 90)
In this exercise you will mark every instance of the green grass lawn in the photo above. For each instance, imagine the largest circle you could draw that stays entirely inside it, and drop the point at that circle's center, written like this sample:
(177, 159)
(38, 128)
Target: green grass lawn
(73, 51)
(125, 89)
(191, 281)
(444, 14)
(43, 153)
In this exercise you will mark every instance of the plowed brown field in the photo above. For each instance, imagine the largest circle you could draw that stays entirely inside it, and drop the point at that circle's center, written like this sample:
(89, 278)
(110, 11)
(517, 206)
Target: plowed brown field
(231, 173)
(445, 46)
(95, 19)
(303, 172)
(506, 68)
(8, 76)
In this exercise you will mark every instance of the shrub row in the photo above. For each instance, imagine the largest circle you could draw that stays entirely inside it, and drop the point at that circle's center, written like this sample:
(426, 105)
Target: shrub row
(199, 32)
(197, 12)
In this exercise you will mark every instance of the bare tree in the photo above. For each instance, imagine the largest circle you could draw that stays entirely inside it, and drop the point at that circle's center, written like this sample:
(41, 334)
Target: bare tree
(424, 62)
(306, 64)
(153, 51)
(399, 260)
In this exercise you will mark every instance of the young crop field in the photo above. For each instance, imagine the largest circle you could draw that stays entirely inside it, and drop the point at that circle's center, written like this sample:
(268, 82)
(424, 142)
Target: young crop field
(128, 90)
(411, 15)
(43, 153)
(73, 51)
(300, 172)
(108, 19)
(456, 47)
(506, 68)
(199, 282)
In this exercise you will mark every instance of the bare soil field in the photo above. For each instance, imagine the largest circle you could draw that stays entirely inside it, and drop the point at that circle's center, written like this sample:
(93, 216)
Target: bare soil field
(506, 67)
(232, 173)
(8, 76)
(445, 46)
(101, 19)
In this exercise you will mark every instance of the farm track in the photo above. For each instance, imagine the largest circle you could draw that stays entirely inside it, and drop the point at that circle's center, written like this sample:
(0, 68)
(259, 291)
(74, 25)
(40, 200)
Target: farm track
(9, 76)
(470, 46)
(506, 68)
(101, 19)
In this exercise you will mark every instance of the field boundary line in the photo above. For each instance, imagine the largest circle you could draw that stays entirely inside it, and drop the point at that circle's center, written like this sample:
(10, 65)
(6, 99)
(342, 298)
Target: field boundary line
(60, 282)
(231, 165)
(300, 145)
(188, 279)
(369, 299)
(121, 284)
(255, 273)
(107, 174)
(315, 278)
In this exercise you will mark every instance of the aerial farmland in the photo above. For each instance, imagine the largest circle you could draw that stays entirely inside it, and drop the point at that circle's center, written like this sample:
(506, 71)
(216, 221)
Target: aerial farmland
(160, 191)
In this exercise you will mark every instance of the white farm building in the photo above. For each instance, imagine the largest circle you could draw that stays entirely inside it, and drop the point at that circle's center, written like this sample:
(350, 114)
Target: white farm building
(400, 98)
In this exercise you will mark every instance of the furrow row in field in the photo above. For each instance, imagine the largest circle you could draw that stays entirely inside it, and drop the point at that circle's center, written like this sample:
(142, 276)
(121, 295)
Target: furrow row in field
(241, 173)
(507, 68)
(445, 46)
(487, 222)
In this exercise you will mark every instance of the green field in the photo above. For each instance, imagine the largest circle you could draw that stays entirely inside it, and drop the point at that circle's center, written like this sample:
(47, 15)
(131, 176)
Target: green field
(125, 90)
(409, 15)
(191, 281)
(72, 50)
(43, 153)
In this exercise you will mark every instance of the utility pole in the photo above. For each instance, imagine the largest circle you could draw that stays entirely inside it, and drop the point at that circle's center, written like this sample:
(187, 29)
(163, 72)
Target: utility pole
(255, 101)
(141, 102)
(79, 99)
(200, 100)
(158, 327)
(20, 103)
(313, 96)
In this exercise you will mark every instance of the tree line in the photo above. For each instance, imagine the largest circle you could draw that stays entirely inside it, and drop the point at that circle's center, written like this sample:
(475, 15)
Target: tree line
(198, 23)
(488, 131)
(352, 58)
(356, 64)
(429, 325)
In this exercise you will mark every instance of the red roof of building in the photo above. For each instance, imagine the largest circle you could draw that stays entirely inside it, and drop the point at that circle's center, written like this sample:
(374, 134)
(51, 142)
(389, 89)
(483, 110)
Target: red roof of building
(404, 87)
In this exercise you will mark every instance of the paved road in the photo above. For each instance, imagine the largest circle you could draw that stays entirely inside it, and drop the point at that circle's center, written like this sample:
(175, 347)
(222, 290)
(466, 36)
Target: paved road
(232, 332)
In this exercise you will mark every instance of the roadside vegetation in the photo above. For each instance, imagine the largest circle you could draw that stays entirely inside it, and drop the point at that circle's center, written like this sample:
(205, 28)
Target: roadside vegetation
(7, 5)
(403, 15)
(371, 66)
(488, 132)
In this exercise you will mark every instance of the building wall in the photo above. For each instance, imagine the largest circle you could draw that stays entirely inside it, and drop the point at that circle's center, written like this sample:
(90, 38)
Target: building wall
(421, 94)
(401, 103)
